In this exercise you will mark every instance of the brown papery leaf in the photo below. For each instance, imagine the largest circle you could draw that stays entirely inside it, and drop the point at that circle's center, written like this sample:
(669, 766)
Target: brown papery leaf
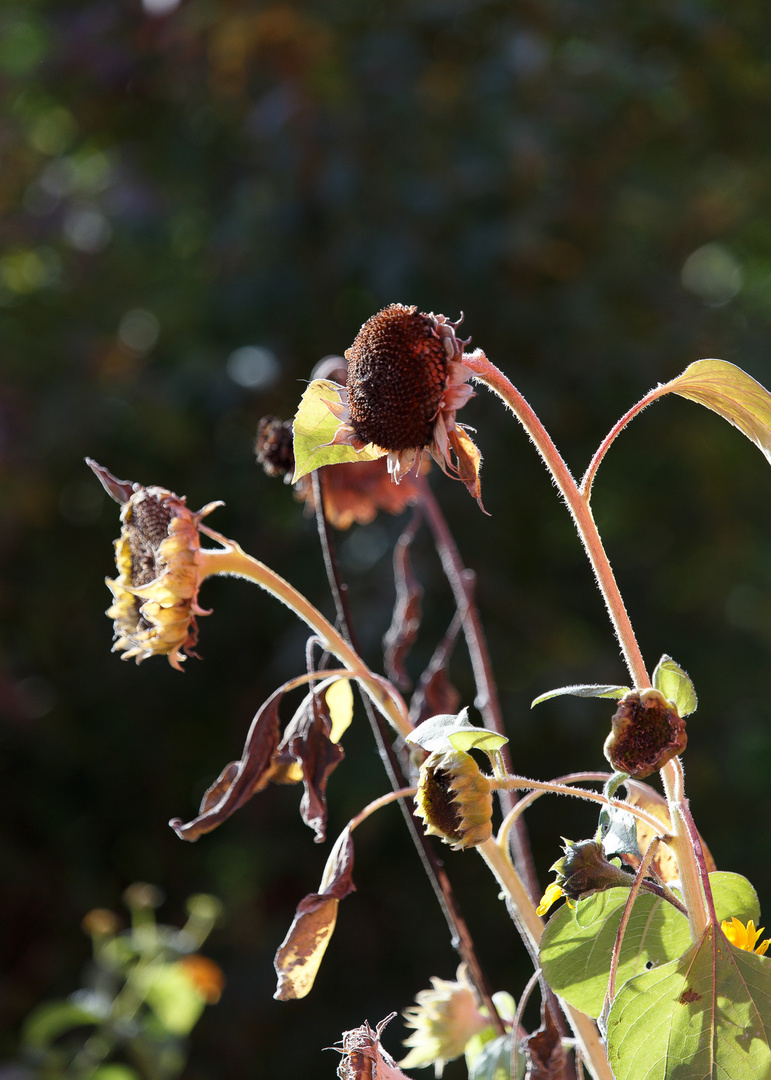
(405, 622)
(241, 779)
(545, 1053)
(664, 862)
(300, 954)
(307, 743)
(731, 393)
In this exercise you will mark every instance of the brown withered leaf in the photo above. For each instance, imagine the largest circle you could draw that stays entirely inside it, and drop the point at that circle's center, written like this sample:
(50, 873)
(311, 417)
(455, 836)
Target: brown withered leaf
(364, 1058)
(544, 1049)
(299, 956)
(241, 779)
(407, 613)
(307, 744)
(664, 863)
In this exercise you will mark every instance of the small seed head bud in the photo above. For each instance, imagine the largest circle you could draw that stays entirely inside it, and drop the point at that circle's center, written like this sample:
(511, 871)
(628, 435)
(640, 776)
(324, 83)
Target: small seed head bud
(584, 870)
(647, 732)
(273, 447)
(454, 799)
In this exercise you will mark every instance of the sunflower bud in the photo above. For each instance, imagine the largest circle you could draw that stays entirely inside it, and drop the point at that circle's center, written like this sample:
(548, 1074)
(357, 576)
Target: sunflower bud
(647, 732)
(159, 575)
(584, 870)
(454, 799)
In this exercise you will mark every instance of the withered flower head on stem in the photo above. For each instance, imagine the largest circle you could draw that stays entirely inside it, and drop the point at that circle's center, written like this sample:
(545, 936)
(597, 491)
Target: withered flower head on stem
(647, 732)
(454, 799)
(406, 381)
(582, 871)
(444, 1019)
(158, 561)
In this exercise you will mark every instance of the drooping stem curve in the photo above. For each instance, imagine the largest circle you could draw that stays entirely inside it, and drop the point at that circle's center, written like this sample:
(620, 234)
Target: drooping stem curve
(233, 560)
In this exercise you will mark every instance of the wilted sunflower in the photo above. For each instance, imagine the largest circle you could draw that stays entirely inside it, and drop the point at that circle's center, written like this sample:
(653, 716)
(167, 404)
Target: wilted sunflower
(159, 575)
(406, 381)
(444, 1019)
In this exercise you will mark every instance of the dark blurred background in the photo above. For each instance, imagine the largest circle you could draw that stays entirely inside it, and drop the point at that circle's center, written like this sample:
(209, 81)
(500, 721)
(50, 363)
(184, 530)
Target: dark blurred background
(202, 198)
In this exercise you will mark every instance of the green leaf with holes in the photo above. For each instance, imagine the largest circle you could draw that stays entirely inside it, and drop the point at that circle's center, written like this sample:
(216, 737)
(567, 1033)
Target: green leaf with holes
(577, 944)
(314, 429)
(704, 1016)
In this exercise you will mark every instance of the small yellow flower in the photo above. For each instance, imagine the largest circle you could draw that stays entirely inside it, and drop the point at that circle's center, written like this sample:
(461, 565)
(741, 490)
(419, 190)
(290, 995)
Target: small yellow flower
(159, 574)
(745, 937)
(444, 1019)
(551, 896)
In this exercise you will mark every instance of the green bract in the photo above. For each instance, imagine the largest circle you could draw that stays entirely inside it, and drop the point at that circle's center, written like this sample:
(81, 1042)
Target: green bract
(314, 428)
(457, 731)
(670, 680)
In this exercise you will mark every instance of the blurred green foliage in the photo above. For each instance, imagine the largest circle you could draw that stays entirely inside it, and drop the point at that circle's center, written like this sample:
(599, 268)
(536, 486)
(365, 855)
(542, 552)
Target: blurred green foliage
(201, 199)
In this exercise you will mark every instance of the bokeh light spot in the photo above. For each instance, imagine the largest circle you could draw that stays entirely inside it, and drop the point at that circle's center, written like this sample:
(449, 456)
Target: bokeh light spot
(138, 330)
(252, 366)
(713, 274)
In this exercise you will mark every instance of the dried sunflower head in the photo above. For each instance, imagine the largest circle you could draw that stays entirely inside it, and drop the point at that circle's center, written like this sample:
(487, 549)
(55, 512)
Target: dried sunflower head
(406, 381)
(158, 559)
(454, 799)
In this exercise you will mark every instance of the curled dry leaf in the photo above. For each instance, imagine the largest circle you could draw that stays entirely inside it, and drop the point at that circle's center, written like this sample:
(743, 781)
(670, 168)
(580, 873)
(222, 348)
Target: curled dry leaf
(544, 1049)
(308, 752)
(300, 954)
(364, 1058)
(241, 779)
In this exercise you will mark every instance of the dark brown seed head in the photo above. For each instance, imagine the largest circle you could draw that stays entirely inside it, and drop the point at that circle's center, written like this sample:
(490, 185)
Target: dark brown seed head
(647, 732)
(397, 373)
(273, 446)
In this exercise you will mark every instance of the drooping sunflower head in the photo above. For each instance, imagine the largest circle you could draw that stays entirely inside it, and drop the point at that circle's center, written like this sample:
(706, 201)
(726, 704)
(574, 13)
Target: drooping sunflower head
(454, 799)
(443, 1020)
(158, 559)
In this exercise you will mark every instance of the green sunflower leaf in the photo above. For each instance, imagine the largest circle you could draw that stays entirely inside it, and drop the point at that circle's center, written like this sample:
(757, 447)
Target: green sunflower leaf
(457, 730)
(577, 944)
(674, 683)
(314, 428)
(705, 1015)
(732, 394)
(583, 690)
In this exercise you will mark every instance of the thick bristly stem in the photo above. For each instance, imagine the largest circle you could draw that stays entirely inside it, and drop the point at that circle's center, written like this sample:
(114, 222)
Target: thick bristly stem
(585, 1030)
(577, 501)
